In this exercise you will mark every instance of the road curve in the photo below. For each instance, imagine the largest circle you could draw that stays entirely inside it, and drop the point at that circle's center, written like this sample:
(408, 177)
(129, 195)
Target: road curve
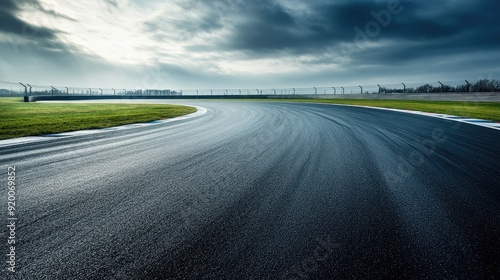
(261, 190)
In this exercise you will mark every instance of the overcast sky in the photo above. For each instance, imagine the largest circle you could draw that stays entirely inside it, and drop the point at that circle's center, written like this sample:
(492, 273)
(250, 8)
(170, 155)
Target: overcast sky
(188, 44)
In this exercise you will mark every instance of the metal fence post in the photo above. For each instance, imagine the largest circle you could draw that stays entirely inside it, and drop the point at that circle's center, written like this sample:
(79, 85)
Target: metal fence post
(361, 89)
(379, 89)
(468, 86)
(442, 86)
(404, 87)
(334, 90)
(25, 89)
(343, 90)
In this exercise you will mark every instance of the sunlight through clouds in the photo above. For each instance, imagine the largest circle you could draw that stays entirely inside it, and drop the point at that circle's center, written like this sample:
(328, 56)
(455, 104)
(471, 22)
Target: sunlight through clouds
(96, 28)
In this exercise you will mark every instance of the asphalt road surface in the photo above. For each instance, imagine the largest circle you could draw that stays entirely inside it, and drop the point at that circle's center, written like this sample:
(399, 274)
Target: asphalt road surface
(256, 190)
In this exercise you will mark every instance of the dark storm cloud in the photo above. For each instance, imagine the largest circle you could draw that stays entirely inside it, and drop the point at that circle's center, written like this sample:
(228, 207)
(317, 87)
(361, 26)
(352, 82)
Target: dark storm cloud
(33, 41)
(268, 26)
(446, 32)
(10, 23)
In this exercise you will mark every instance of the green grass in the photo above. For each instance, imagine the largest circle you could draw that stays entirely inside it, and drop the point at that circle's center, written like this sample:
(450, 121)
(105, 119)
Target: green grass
(18, 119)
(480, 110)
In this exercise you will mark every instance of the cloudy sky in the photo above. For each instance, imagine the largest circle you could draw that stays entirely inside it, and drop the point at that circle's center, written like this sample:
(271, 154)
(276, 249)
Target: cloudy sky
(188, 44)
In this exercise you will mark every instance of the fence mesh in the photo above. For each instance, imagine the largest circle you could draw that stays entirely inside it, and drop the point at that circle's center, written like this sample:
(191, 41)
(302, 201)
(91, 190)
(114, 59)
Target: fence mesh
(21, 89)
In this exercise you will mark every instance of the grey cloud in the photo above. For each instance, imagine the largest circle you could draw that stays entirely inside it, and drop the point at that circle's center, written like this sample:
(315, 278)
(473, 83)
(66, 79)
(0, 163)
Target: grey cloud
(10, 23)
(112, 3)
(29, 39)
(423, 33)
(197, 17)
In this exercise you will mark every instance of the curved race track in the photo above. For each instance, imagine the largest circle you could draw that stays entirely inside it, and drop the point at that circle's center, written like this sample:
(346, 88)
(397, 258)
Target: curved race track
(257, 190)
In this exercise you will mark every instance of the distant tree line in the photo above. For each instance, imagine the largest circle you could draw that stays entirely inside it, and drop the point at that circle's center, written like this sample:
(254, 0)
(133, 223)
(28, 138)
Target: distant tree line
(483, 85)
(154, 92)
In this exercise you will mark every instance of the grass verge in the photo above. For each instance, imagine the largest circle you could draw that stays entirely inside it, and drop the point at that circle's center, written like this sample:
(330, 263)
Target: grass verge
(18, 119)
(479, 110)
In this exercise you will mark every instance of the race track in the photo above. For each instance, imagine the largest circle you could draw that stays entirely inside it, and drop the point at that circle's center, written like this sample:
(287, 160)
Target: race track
(261, 190)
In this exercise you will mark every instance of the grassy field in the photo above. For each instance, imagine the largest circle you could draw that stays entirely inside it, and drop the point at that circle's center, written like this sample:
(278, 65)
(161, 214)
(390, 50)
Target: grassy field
(18, 119)
(480, 110)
